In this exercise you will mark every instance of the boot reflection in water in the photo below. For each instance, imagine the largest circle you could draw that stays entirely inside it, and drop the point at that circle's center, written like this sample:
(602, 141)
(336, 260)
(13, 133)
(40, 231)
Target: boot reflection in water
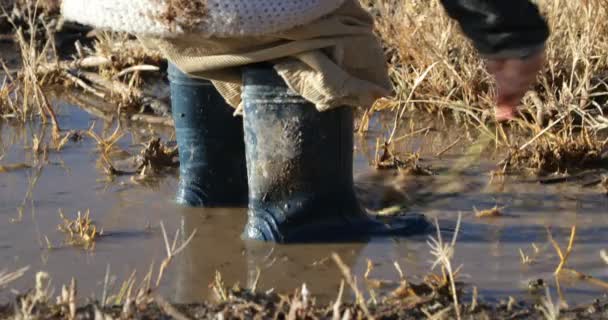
(210, 142)
(300, 169)
(216, 247)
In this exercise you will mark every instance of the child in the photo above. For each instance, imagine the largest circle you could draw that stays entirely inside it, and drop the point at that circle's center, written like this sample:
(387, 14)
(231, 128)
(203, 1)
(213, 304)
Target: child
(294, 68)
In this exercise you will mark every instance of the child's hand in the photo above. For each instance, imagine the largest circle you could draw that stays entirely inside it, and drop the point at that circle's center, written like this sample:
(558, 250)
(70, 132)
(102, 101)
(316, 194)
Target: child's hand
(513, 78)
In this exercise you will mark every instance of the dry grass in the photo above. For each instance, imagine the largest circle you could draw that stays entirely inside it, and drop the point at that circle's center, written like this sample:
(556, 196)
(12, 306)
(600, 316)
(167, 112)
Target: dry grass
(488, 213)
(80, 231)
(421, 39)
(549, 309)
(8, 277)
(6, 99)
(444, 254)
(563, 256)
(435, 69)
(36, 47)
(563, 151)
(111, 69)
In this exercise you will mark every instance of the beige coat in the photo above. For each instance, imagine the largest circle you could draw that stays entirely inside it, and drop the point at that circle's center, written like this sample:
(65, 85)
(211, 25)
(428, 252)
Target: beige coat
(334, 61)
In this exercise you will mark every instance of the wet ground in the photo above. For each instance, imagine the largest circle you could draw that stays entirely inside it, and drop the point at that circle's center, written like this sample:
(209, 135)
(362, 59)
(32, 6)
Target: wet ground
(488, 249)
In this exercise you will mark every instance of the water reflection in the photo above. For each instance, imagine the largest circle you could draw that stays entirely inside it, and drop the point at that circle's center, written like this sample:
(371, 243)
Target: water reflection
(216, 248)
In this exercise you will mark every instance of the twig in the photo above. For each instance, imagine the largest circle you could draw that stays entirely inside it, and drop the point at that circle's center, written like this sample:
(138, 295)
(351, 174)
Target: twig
(87, 62)
(563, 257)
(6, 277)
(142, 67)
(553, 124)
(437, 316)
(452, 145)
(338, 303)
(172, 251)
(351, 281)
(560, 292)
(399, 115)
(79, 82)
(254, 286)
(46, 105)
(587, 278)
(153, 120)
(411, 134)
(474, 299)
(400, 271)
(106, 282)
(124, 91)
(116, 87)
(13, 167)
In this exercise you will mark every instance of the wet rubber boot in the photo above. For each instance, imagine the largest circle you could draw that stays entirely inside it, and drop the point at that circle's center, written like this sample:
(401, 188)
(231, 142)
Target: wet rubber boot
(211, 147)
(300, 169)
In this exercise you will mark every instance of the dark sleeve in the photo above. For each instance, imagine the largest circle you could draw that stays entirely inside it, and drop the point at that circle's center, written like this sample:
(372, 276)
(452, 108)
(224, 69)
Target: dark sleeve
(500, 28)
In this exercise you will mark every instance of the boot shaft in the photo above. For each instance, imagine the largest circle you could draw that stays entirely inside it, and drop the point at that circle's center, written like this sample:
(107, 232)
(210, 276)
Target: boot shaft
(210, 142)
(294, 151)
(196, 103)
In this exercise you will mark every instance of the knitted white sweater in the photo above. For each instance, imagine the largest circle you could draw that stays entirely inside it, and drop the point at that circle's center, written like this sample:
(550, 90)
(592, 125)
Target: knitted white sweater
(217, 18)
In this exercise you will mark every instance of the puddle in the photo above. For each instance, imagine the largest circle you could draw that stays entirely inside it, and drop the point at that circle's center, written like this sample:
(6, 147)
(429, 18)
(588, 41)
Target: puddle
(489, 250)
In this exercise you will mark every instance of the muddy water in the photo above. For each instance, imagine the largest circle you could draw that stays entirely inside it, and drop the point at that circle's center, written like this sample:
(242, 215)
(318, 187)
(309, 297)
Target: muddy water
(130, 215)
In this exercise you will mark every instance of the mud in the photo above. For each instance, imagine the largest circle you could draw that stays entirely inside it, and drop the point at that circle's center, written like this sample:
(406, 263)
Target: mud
(186, 14)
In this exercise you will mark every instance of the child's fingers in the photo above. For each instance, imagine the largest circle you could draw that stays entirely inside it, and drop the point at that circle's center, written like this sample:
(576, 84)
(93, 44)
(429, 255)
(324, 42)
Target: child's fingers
(505, 113)
(513, 78)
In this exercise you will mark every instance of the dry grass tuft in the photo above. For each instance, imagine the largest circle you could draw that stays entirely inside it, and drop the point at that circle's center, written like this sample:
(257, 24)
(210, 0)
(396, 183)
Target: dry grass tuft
(563, 152)
(81, 231)
(549, 309)
(156, 156)
(111, 69)
(488, 213)
(444, 253)
(106, 145)
(36, 46)
(421, 40)
(408, 164)
(7, 106)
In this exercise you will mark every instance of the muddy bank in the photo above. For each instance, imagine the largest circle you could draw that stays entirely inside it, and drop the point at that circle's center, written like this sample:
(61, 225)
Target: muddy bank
(242, 304)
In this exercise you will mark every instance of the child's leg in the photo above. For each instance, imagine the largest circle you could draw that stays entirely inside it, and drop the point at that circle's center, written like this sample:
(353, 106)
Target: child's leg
(210, 142)
(300, 169)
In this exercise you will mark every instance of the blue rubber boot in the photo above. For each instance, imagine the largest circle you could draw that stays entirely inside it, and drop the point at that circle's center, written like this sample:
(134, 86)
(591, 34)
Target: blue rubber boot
(300, 169)
(211, 147)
